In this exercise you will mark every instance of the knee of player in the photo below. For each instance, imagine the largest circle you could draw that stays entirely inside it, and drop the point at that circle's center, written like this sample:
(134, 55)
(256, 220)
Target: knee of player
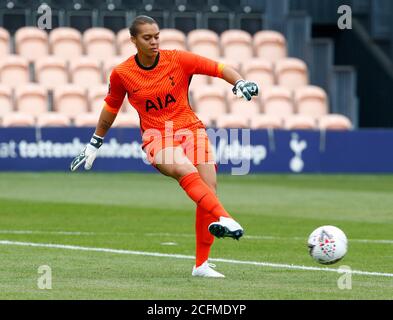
(183, 170)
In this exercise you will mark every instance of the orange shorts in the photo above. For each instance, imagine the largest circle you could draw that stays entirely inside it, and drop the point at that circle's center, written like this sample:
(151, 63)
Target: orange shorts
(194, 143)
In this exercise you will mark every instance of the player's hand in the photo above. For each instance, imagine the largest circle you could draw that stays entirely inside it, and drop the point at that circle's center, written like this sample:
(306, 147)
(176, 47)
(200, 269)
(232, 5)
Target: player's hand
(245, 89)
(88, 155)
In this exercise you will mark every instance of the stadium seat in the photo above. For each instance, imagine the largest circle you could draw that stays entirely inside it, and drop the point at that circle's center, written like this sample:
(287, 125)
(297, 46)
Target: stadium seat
(277, 101)
(204, 42)
(311, 100)
(221, 82)
(126, 120)
(266, 121)
(53, 119)
(240, 106)
(31, 43)
(4, 42)
(66, 43)
(232, 121)
(210, 102)
(172, 39)
(199, 81)
(205, 118)
(109, 65)
(51, 71)
(260, 71)
(291, 73)
(96, 97)
(6, 104)
(299, 121)
(99, 43)
(85, 71)
(236, 45)
(334, 122)
(18, 120)
(270, 45)
(14, 70)
(70, 100)
(31, 99)
(125, 47)
(86, 120)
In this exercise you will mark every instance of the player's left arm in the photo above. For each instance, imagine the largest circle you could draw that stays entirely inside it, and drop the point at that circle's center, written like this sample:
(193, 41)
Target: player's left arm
(196, 64)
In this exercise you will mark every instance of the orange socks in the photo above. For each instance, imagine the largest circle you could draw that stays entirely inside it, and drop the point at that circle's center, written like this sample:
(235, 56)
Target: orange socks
(209, 209)
(202, 195)
(204, 239)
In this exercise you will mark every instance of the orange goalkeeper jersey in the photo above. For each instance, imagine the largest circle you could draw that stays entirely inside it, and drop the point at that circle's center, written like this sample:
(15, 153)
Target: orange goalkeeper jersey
(160, 92)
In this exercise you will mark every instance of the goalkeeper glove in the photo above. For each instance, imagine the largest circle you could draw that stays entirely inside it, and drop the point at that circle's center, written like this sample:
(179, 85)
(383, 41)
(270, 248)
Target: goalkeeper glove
(88, 155)
(245, 89)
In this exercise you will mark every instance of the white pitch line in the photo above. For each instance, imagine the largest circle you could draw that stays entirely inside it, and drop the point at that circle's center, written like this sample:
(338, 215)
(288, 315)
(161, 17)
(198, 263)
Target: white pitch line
(181, 256)
(184, 235)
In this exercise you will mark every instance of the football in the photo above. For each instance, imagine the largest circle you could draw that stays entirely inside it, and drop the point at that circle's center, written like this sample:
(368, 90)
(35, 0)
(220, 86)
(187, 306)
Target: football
(327, 244)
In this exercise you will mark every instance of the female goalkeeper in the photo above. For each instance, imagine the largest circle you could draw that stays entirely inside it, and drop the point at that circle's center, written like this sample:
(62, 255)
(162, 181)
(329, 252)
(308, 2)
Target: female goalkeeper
(174, 139)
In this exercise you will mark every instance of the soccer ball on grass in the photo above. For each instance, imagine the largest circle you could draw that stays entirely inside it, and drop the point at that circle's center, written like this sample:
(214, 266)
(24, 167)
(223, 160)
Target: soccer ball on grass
(327, 244)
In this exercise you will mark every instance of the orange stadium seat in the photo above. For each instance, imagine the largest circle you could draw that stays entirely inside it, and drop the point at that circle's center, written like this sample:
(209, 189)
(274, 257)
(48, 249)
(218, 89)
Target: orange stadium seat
(241, 106)
(221, 82)
(4, 42)
(259, 71)
(266, 121)
(204, 42)
(236, 45)
(125, 47)
(31, 43)
(270, 45)
(311, 100)
(126, 120)
(210, 102)
(51, 71)
(6, 104)
(232, 121)
(96, 97)
(99, 43)
(53, 119)
(277, 101)
(18, 120)
(31, 99)
(334, 122)
(86, 120)
(291, 73)
(70, 100)
(85, 71)
(66, 43)
(14, 70)
(172, 39)
(299, 121)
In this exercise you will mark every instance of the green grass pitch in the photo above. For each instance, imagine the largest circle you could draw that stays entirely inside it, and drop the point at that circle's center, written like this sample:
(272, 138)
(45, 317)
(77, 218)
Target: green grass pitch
(149, 213)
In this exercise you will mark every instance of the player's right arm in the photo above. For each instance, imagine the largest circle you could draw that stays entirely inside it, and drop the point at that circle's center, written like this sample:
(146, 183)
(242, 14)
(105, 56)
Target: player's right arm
(113, 102)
